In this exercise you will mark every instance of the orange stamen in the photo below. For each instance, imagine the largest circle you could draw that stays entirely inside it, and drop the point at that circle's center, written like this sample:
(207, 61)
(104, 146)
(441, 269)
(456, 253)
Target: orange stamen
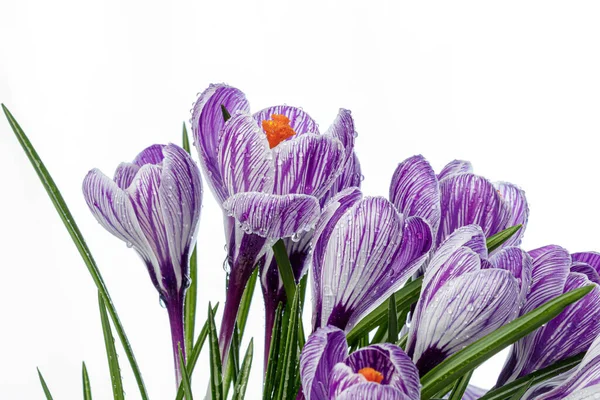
(371, 375)
(277, 129)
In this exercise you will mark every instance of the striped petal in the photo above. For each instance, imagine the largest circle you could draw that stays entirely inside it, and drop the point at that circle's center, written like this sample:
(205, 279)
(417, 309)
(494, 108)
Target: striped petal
(351, 176)
(518, 263)
(519, 209)
(207, 122)
(343, 130)
(456, 167)
(551, 265)
(322, 351)
(245, 161)
(415, 191)
(371, 390)
(308, 164)
(470, 199)
(466, 309)
(125, 173)
(300, 121)
(591, 258)
(150, 155)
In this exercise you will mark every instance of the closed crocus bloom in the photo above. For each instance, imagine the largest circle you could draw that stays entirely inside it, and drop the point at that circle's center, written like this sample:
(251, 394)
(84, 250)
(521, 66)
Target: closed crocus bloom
(275, 165)
(363, 251)
(153, 204)
(456, 197)
(555, 272)
(380, 371)
(582, 383)
(465, 296)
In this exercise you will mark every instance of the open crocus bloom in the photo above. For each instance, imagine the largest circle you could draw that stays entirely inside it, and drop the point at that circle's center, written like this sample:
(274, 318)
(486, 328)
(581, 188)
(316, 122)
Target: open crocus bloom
(271, 168)
(579, 384)
(153, 204)
(465, 296)
(555, 272)
(363, 251)
(381, 371)
(456, 197)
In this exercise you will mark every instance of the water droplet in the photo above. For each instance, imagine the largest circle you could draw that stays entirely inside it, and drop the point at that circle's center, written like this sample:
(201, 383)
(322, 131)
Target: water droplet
(162, 301)
(129, 244)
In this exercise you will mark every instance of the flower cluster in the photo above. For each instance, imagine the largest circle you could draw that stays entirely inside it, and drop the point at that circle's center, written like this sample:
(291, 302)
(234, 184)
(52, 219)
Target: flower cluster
(277, 178)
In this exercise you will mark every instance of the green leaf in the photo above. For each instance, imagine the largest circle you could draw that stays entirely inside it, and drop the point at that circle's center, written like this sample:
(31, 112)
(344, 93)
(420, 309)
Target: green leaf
(461, 386)
(405, 297)
(69, 221)
(44, 386)
(518, 395)
(190, 303)
(111, 352)
(472, 356)
(216, 376)
(285, 269)
(239, 391)
(272, 365)
(185, 379)
(392, 336)
(402, 342)
(225, 113)
(87, 389)
(193, 357)
(242, 316)
(533, 378)
(287, 383)
(185, 140)
(493, 242)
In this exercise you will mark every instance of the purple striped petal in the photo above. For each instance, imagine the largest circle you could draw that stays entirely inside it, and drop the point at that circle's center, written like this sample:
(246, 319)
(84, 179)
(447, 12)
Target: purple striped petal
(591, 258)
(207, 123)
(415, 191)
(351, 176)
(456, 167)
(466, 309)
(371, 390)
(322, 351)
(341, 378)
(308, 164)
(551, 265)
(300, 121)
(150, 155)
(518, 263)
(519, 210)
(124, 174)
(245, 161)
(470, 199)
(273, 216)
(343, 130)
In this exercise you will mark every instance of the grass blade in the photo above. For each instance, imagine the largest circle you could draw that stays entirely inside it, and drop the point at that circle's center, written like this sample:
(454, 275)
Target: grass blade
(239, 392)
(185, 379)
(287, 383)
(392, 320)
(87, 389)
(69, 221)
(518, 395)
(193, 357)
(216, 375)
(111, 353)
(405, 297)
(497, 240)
(272, 365)
(44, 386)
(533, 378)
(461, 386)
(185, 139)
(285, 269)
(472, 356)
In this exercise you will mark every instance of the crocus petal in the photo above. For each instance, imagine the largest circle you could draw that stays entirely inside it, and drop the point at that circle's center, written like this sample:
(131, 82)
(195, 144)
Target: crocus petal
(207, 123)
(518, 263)
(300, 121)
(150, 155)
(351, 176)
(591, 258)
(343, 129)
(180, 195)
(341, 378)
(245, 161)
(456, 167)
(309, 164)
(467, 308)
(519, 210)
(371, 390)
(415, 191)
(124, 174)
(587, 270)
(323, 349)
(273, 216)
(470, 199)
(551, 265)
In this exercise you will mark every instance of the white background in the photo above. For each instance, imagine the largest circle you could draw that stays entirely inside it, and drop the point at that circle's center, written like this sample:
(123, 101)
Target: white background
(512, 86)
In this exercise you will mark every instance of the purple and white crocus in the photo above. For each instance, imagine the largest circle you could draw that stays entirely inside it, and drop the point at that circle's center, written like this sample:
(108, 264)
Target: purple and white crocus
(380, 371)
(466, 295)
(269, 171)
(363, 251)
(555, 272)
(153, 204)
(457, 197)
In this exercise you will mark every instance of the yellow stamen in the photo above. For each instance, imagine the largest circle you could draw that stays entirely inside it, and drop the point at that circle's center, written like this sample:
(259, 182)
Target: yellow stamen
(277, 129)
(371, 375)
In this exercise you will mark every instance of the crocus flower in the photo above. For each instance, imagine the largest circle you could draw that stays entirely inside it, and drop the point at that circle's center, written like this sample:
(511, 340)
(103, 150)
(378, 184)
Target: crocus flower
(456, 197)
(272, 167)
(153, 204)
(555, 272)
(363, 250)
(380, 371)
(465, 295)
(578, 384)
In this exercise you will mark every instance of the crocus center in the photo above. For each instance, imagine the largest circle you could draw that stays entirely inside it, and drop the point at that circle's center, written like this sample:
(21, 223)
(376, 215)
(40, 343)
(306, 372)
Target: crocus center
(277, 129)
(372, 375)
